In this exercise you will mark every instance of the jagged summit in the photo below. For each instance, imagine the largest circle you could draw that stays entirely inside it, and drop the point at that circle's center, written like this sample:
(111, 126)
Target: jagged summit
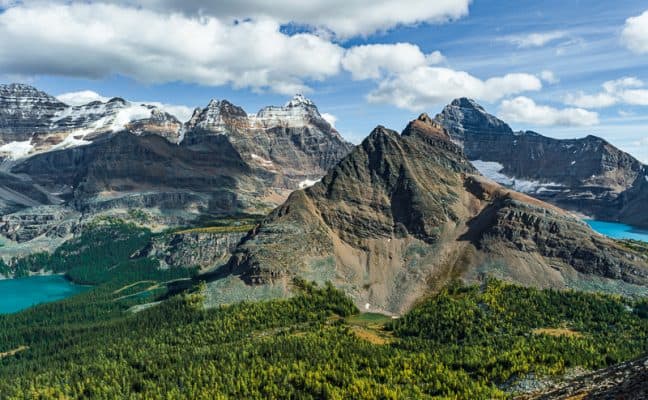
(588, 175)
(24, 111)
(464, 116)
(117, 153)
(428, 126)
(32, 121)
(465, 102)
(297, 109)
(299, 100)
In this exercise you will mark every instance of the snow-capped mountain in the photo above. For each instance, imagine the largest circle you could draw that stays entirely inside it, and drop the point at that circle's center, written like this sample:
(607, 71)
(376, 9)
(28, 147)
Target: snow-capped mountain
(588, 175)
(32, 121)
(294, 138)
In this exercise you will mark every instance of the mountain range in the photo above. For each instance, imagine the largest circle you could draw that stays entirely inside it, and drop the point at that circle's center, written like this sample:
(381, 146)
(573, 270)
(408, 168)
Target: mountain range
(60, 164)
(398, 216)
(175, 223)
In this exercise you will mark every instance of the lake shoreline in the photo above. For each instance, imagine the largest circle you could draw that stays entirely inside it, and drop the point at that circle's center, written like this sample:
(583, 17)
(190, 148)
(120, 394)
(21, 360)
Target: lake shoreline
(617, 230)
(22, 293)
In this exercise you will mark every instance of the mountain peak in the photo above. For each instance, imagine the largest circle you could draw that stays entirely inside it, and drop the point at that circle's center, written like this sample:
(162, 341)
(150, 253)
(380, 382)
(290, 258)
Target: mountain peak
(426, 125)
(299, 100)
(25, 94)
(225, 107)
(466, 102)
(464, 116)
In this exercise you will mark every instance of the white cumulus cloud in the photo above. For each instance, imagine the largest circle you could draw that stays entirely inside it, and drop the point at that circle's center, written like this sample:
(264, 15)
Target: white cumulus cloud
(428, 86)
(536, 39)
(635, 33)
(525, 110)
(153, 47)
(549, 77)
(627, 90)
(330, 118)
(343, 18)
(372, 61)
(81, 97)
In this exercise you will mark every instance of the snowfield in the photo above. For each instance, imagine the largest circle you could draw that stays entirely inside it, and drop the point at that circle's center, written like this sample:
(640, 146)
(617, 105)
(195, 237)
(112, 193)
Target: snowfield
(493, 170)
(17, 149)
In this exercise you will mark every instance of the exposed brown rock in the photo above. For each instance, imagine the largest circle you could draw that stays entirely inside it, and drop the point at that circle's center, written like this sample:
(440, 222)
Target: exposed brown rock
(403, 214)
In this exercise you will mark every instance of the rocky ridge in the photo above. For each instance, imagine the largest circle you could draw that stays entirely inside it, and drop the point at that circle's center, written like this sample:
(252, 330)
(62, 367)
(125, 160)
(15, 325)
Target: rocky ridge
(405, 213)
(33, 122)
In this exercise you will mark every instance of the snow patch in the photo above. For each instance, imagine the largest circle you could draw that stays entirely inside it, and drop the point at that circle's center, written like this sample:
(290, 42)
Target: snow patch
(492, 170)
(262, 161)
(129, 114)
(17, 149)
(71, 141)
(306, 183)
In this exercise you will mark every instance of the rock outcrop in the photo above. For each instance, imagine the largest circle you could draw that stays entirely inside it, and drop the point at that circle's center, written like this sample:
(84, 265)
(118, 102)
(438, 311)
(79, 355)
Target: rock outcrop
(204, 250)
(404, 214)
(28, 224)
(588, 175)
(628, 380)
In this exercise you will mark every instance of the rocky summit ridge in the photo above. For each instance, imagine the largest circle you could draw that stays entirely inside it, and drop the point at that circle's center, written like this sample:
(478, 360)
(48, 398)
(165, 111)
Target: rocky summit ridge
(588, 175)
(403, 214)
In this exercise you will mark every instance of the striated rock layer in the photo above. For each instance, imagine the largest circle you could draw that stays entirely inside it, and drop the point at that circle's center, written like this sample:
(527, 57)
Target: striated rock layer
(588, 175)
(404, 214)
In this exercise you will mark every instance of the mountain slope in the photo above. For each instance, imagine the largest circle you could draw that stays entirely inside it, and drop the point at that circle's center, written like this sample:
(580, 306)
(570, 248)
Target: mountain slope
(404, 214)
(588, 175)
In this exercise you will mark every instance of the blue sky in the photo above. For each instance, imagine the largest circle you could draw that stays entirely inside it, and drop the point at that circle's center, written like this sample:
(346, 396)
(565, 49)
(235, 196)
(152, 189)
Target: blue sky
(562, 68)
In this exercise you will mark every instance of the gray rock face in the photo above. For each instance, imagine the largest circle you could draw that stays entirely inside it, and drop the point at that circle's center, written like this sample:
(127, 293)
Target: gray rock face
(25, 111)
(464, 117)
(292, 142)
(33, 122)
(628, 380)
(118, 155)
(588, 175)
(193, 249)
(17, 193)
(26, 225)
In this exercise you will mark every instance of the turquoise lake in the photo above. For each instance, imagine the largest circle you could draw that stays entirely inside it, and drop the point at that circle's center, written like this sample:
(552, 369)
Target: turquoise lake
(18, 294)
(618, 231)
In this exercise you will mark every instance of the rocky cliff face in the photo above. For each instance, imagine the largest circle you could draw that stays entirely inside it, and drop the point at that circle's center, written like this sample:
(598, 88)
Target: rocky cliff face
(293, 143)
(204, 250)
(628, 380)
(403, 214)
(587, 175)
(25, 111)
